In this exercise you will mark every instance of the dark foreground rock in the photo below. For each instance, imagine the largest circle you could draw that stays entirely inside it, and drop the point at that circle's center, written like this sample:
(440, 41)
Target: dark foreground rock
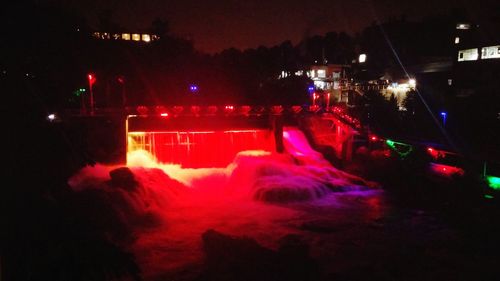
(231, 258)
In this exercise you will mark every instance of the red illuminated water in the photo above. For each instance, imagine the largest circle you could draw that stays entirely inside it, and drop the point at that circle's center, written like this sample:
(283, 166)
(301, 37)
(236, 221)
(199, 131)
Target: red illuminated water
(260, 194)
(197, 149)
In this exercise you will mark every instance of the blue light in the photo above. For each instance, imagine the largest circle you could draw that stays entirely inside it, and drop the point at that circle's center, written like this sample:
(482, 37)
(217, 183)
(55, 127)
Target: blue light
(193, 88)
(311, 88)
(443, 115)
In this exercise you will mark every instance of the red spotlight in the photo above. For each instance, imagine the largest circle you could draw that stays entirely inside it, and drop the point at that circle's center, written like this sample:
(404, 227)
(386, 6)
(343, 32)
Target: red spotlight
(314, 108)
(259, 110)
(276, 109)
(160, 109)
(178, 109)
(195, 109)
(228, 108)
(245, 109)
(296, 109)
(142, 110)
(212, 109)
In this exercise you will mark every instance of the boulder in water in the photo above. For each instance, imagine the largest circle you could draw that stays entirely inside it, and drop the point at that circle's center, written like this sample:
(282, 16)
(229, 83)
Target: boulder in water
(123, 178)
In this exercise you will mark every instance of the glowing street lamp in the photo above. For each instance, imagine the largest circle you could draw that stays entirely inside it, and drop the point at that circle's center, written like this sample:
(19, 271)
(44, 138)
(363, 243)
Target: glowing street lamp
(92, 80)
(362, 58)
(412, 82)
(443, 115)
(51, 117)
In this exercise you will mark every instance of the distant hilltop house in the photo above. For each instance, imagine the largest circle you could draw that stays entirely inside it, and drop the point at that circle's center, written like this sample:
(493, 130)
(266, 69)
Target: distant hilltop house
(336, 83)
(125, 36)
(327, 79)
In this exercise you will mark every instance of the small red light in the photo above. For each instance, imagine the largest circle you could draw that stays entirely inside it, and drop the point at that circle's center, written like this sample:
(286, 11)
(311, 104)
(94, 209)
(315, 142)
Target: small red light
(373, 138)
(434, 153)
(91, 78)
(164, 115)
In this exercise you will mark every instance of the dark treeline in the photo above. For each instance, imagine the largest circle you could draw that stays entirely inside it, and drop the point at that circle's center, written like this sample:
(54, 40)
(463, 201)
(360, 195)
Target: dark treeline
(52, 49)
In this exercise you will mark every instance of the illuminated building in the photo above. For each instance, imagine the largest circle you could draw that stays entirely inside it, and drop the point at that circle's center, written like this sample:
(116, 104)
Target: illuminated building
(476, 58)
(124, 36)
(399, 90)
(330, 79)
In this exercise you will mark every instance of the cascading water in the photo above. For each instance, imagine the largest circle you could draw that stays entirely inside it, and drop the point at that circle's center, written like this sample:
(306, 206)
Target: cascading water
(197, 149)
(173, 206)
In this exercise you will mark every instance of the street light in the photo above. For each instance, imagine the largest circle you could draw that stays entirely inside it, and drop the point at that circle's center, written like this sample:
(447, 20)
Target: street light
(92, 79)
(362, 58)
(443, 115)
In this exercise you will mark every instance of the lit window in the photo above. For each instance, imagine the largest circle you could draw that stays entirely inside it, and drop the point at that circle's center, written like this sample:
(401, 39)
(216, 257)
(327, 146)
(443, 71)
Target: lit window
(126, 36)
(320, 85)
(321, 73)
(457, 40)
(463, 26)
(96, 34)
(116, 36)
(468, 55)
(154, 37)
(136, 37)
(105, 35)
(146, 38)
(312, 73)
(491, 52)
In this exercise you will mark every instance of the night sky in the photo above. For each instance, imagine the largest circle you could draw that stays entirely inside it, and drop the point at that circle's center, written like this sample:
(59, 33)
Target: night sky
(216, 25)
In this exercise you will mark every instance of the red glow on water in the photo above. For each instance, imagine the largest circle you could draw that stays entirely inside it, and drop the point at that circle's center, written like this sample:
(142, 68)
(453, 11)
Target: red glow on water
(171, 207)
(196, 149)
(446, 170)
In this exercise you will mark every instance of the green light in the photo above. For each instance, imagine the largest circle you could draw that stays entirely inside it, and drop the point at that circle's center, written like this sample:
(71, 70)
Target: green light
(493, 182)
(79, 92)
(488, 196)
(396, 147)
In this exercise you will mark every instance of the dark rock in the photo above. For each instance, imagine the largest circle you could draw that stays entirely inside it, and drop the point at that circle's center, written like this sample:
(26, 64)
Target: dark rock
(123, 178)
(233, 258)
